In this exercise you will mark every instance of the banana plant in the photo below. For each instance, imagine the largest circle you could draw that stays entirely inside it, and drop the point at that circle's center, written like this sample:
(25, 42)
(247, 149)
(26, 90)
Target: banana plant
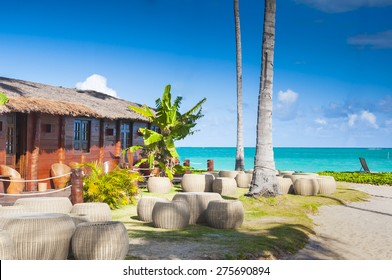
(159, 147)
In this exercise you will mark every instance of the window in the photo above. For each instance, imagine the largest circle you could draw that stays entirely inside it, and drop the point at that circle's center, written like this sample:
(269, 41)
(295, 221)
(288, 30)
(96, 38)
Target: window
(82, 135)
(125, 131)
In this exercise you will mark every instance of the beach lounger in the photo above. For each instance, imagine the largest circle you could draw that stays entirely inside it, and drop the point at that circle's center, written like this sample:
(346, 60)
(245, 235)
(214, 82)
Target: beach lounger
(364, 165)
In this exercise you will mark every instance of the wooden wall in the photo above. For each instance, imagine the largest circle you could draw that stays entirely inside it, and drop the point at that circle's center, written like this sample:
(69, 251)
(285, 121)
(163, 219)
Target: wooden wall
(50, 140)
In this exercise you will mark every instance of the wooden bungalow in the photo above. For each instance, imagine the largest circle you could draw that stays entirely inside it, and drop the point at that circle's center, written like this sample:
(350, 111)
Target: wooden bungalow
(42, 125)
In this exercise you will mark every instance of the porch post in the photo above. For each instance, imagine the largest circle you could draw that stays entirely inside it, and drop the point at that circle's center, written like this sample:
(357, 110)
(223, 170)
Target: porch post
(77, 185)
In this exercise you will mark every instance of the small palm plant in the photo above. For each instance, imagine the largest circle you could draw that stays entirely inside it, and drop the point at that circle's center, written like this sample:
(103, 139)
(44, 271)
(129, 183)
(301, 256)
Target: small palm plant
(116, 188)
(159, 149)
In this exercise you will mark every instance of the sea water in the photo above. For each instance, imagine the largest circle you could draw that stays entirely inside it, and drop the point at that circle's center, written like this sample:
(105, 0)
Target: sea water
(296, 159)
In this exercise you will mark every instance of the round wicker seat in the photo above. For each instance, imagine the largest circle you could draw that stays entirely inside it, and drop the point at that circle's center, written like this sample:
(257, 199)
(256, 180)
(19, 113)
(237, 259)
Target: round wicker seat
(285, 185)
(96, 211)
(46, 204)
(171, 215)
(7, 248)
(229, 173)
(39, 236)
(198, 202)
(327, 184)
(243, 180)
(224, 186)
(145, 206)
(306, 186)
(197, 182)
(14, 209)
(225, 214)
(159, 185)
(100, 241)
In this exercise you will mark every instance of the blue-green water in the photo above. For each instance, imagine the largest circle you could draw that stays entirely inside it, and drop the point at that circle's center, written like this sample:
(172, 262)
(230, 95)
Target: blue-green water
(297, 159)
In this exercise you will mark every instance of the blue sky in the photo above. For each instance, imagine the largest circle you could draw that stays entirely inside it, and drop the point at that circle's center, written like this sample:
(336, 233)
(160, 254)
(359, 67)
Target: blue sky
(332, 82)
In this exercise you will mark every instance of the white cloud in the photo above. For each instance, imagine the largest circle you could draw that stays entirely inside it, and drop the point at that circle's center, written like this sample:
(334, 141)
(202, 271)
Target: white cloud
(321, 121)
(381, 40)
(339, 6)
(365, 117)
(351, 119)
(287, 97)
(286, 107)
(97, 83)
(370, 118)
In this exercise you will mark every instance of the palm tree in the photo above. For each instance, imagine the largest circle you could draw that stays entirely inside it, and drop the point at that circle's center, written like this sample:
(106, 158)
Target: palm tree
(264, 180)
(239, 159)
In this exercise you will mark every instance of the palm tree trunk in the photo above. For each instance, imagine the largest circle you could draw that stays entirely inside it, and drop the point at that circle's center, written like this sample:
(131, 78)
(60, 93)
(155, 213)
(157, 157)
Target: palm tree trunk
(264, 180)
(239, 159)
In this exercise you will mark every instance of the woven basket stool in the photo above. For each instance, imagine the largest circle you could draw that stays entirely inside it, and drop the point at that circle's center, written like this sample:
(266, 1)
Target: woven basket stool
(327, 184)
(145, 206)
(296, 176)
(39, 236)
(224, 186)
(15, 209)
(226, 214)
(96, 211)
(100, 241)
(243, 180)
(159, 185)
(46, 204)
(306, 186)
(171, 215)
(285, 185)
(229, 173)
(7, 248)
(197, 182)
(198, 202)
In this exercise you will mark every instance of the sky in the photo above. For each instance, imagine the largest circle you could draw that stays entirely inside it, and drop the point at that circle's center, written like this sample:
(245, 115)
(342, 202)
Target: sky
(332, 67)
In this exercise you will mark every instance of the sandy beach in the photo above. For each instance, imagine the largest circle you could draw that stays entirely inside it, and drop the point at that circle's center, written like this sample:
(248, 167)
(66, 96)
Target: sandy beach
(358, 231)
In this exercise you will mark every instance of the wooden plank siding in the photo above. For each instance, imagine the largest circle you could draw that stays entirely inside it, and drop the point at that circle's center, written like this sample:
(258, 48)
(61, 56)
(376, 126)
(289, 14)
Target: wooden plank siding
(50, 139)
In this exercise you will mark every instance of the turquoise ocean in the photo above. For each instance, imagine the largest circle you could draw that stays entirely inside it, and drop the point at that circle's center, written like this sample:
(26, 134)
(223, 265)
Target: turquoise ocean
(297, 159)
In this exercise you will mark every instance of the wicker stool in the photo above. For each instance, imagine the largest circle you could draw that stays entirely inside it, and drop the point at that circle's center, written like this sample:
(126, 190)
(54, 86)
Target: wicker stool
(198, 202)
(100, 241)
(327, 184)
(145, 206)
(39, 236)
(46, 204)
(197, 182)
(285, 185)
(96, 211)
(306, 186)
(243, 180)
(159, 185)
(171, 215)
(7, 248)
(224, 186)
(225, 214)
(15, 209)
(229, 173)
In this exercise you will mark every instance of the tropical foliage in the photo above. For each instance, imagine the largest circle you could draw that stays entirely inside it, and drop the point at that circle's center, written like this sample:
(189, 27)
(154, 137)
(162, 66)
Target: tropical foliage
(384, 178)
(3, 98)
(159, 149)
(116, 188)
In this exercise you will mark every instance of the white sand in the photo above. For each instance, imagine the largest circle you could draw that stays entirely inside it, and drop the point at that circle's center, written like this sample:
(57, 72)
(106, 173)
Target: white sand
(358, 231)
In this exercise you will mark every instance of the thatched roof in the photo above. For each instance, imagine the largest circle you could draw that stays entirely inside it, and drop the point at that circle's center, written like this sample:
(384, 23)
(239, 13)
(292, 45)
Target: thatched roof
(26, 97)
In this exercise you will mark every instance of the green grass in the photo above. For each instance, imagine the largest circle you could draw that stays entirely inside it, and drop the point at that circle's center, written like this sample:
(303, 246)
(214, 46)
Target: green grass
(273, 227)
(383, 178)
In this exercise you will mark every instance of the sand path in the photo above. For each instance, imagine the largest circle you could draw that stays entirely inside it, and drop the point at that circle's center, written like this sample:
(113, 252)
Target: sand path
(358, 231)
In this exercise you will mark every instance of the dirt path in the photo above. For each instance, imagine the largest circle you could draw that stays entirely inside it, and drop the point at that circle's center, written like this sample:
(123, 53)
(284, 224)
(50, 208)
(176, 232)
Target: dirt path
(359, 231)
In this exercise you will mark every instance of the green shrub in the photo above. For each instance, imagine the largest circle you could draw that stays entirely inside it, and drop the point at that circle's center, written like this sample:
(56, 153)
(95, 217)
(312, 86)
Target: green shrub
(116, 188)
(384, 178)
